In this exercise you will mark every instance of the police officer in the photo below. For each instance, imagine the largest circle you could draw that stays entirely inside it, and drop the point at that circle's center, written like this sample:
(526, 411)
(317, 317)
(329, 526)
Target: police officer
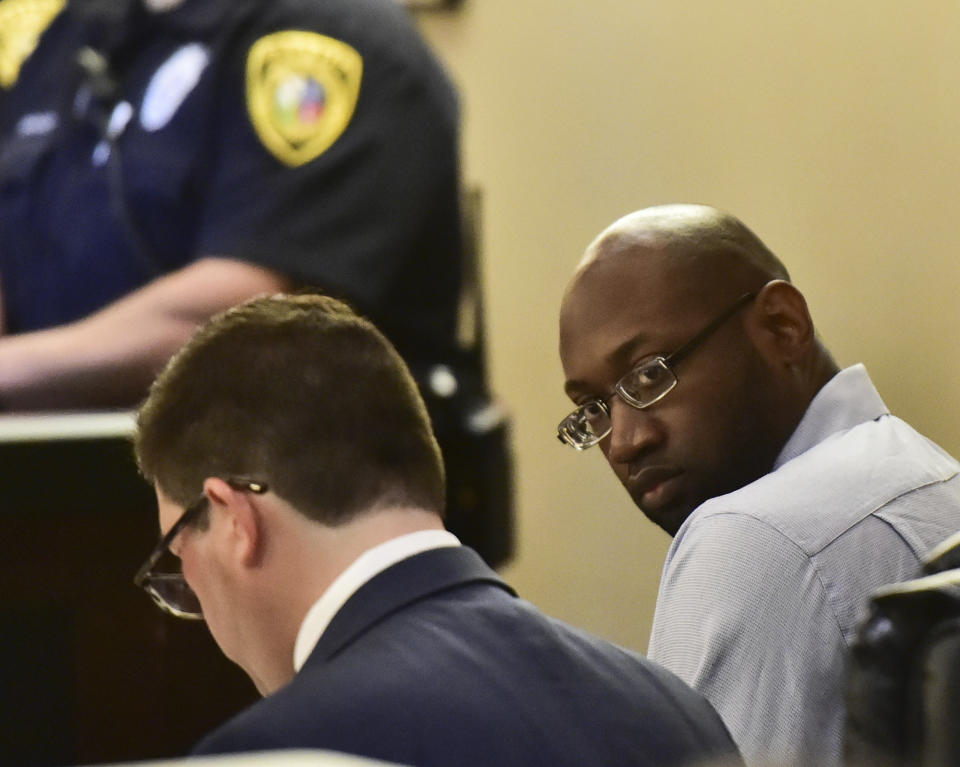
(161, 160)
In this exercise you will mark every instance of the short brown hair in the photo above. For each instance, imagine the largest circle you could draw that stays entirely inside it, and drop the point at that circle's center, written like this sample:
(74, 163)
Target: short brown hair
(298, 392)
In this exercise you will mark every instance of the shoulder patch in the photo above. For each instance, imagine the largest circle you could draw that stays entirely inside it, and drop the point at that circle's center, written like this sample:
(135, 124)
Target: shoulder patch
(302, 88)
(21, 24)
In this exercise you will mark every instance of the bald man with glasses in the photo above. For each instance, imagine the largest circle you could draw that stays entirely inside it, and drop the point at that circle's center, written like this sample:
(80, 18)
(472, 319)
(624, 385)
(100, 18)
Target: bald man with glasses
(789, 489)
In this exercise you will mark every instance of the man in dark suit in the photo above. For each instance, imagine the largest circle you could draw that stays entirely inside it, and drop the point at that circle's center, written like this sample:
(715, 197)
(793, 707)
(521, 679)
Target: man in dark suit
(301, 488)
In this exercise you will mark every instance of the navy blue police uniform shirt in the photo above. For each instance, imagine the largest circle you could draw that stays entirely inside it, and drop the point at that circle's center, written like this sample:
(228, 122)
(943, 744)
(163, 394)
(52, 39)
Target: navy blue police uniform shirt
(318, 139)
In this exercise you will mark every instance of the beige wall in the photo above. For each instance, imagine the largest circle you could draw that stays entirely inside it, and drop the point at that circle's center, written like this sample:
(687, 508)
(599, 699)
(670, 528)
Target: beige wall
(832, 129)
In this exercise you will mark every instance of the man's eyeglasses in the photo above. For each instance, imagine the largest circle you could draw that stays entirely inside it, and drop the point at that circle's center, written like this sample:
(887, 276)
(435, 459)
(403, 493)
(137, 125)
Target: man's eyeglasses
(647, 382)
(164, 581)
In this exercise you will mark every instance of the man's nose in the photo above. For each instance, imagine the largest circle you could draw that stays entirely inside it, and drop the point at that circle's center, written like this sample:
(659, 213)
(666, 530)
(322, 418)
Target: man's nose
(632, 431)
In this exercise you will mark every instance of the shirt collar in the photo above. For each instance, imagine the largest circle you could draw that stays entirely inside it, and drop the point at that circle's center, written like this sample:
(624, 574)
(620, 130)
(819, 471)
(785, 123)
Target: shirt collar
(847, 399)
(367, 565)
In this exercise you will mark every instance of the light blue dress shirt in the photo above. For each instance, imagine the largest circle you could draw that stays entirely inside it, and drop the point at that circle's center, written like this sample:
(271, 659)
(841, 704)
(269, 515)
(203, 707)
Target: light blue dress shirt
(763, 588)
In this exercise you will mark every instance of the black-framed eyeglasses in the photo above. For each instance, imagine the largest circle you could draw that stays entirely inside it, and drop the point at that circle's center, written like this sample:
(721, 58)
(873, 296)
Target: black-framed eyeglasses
(168, 588)
(647, 382)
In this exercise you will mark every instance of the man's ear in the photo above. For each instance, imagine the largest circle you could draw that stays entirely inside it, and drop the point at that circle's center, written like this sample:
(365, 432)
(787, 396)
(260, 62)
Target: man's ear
(780, 324)
(242, 529)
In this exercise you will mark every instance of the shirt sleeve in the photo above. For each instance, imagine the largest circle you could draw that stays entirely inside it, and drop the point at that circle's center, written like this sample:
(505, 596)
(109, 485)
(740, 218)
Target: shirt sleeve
(743, 618)
(357, 218)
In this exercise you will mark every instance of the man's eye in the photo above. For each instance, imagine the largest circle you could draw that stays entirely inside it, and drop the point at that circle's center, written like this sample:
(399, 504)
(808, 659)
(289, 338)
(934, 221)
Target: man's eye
(593, 410)
(648, 375)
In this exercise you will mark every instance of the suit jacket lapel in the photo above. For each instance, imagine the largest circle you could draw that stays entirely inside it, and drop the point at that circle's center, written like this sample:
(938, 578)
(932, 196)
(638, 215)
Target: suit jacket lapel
(402, 584)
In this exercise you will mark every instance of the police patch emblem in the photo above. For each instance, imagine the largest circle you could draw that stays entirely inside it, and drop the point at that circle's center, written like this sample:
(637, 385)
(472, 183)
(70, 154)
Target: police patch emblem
(21, 24)
(302, 88)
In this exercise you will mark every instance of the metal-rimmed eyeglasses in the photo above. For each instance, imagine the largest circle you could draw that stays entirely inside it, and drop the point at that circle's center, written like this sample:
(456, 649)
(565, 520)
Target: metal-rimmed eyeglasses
(168, 588)
(649, 381)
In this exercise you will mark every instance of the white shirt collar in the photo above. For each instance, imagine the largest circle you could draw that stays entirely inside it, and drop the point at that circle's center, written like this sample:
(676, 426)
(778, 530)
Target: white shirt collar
(367, 565)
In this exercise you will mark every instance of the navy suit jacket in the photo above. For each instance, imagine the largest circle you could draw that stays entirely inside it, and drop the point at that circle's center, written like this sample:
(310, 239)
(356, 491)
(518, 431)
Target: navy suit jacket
(436, 662)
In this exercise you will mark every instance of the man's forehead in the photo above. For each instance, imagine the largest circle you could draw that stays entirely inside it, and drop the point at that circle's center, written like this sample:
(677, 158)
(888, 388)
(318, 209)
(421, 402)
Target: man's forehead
(637, 280)
(672, 275)
(624, 302)
(607, 314)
